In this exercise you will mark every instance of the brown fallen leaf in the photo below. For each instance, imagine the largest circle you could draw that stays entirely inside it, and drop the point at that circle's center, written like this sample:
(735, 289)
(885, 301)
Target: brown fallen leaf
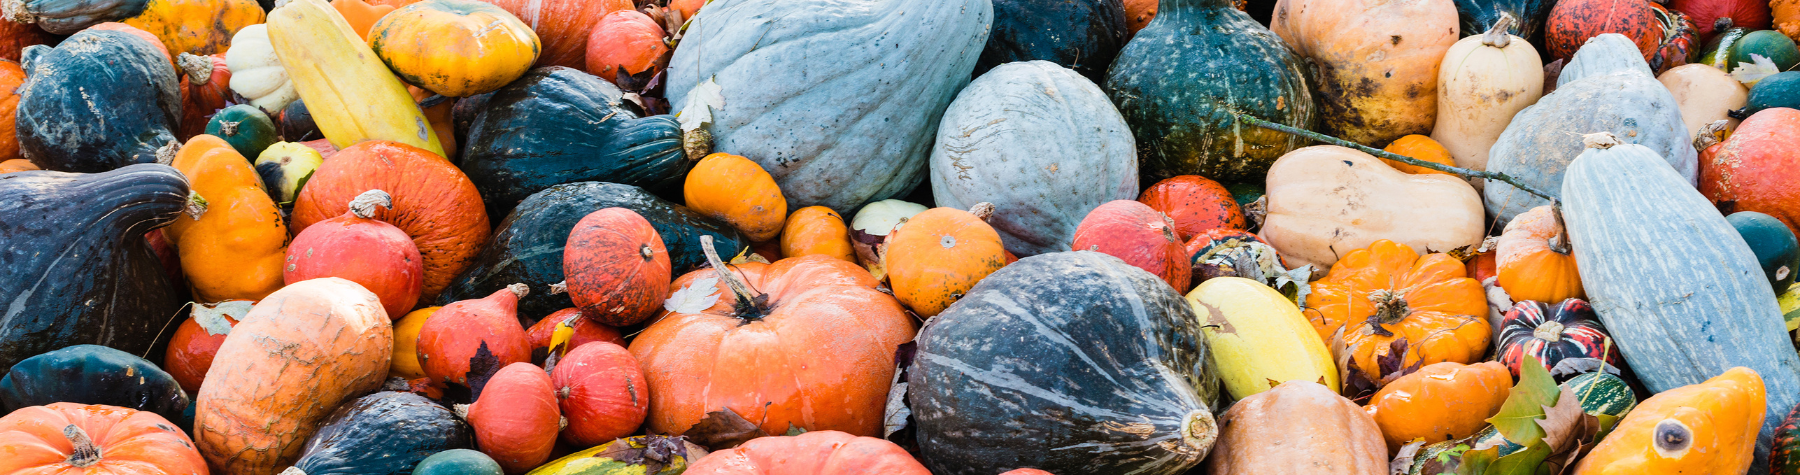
(723, 429)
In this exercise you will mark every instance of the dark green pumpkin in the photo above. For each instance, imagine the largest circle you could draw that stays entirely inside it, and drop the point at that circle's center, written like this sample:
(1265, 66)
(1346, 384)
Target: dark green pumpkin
(458, 462)
(1083, 35)
(528, 246)
(1768, 43)
(386, 433)
(100, 100)
(74, 265)
(1478, 16)
(1226, 62)
(246, 128)
(558, 125)
(93, 374)
(1779, 90)
(1774, 244)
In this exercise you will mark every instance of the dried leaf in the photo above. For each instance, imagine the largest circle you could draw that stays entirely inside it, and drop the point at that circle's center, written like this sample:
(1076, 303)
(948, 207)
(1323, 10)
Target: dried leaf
(482, 367)
(1300, 278)
(1517, 419)
(1561, 422)
(211, 316)
(1758, 68)
(895, 415)
(1403, 461)
(698, 296)
(701, 101)
(723, 429)
(1571, 367)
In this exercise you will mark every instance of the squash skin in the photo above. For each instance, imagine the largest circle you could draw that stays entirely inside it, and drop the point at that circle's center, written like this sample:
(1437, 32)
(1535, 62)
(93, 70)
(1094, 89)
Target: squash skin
(1753, 169)
(1438, 319)
(234, 251)
(458, 462)
(474, 47)
(359, 438)
(245, 127)
(1006, 344)
(125, 76)
(1482, 86)
(1441, 401)
(515, 418)
(11, 77)
(200, 27)
(1704, 94)
(1298, 427)
(1533, 261)
(1573, 22)
(1083, 35)
(737, 191)
(257, 74)
(128, 441)
(1774, 245)
(458, 333)
(626, 41)
(600, 390)
(194, 343)
(92, 374)
(617, 268)
(120, 296)
(1326, 200)
(62, 17)
(1141, 236)
(1578, 333)
(1720, 415)
(205, 89)
(585, 331)
(15, 37)
(937, 256)
(1196, 204)
(1258, 339)
(819, 122)
(1752, 14)
(1007, 140)
(561, 25)
(826, 452)
(372, 253)
(817, 230)
(1376, 76)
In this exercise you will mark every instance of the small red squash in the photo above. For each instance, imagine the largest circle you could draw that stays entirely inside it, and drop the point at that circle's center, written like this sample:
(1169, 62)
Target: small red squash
(628, 41)
(515, 417)
(1195, 203)
(194, 343)
(1554, 333)
(601, 392)
(826, 452)
(1572, 22)
(1139, 235)
(69, 438)
(563, 25)
(583, 331)
(1756, 168)
(1705, 14)
(458, 331)
(361, 249)
(617, 267)
(205, 89)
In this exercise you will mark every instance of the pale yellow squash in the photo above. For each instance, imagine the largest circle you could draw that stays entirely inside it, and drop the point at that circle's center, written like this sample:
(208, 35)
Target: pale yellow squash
(1704, 94)
(1326, 200)
(1257, 338)
(1484, 80)
(351, 94)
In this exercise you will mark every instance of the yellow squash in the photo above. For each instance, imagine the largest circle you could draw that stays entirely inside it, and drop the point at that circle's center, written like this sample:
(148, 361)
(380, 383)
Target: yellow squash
(200, 27)
(455, 48)
(405, 363)
(349, 91)
(1257, 338)
(1709, 427)
(625, 457)
(233, 249)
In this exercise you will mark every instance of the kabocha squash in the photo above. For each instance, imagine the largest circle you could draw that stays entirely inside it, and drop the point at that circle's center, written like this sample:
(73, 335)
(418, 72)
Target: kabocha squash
(528, 248)
(581, 331)
(1441, 401)
(1533, 260)
(360, 436)
(626, 41)
(654, 454)
(939, 254)
(617, 267)
(1326, 200)
(232, 249)
(826, 452)
(1083, 35)
(515, 417)
(196, 26)
(1297, 427)
(816, 230)
(1399, 310)
(739, 192)
(357, 247)
(1184, 123)
(560, 125)
(1620, 206)
(563, 25)
(287, 365)
(1376, 78)
(104, 286)
(94, 439)
(433, 202)
(601, 392)
(192, 346)
(1704, 94)
(815, 121)
(1553, 333)
(256, 71)
(350, 93)
(1141, 236)
(872, 225)
(284, 167)
(458, 462)
(1422, 148)
(405, 362)
(1752, 169)
(1483, 82)
(205, 89)
(1701, 428)
(100, 100)
(245, 127)
(91, 374)
(1773, 243)
(1541, 141)
(1258, 338)
(455, 338)
(67, 17)
(454, 48)
(1196, 204)
(1010, 139)
(998, 366)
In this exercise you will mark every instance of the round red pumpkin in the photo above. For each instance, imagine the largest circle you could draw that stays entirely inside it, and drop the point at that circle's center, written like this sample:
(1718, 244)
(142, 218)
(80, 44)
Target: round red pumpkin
(628, 41)
(1572, 22)
(69, 438)
(616, 267)
(601, 392)
(361, 249)
(458, 332)
(1757, 168)
(1195, 203)
(563, 25)
(205, 88)
(515, 418)
(1705, 14)
(1139, 235)
(585, 330)
(197, 340)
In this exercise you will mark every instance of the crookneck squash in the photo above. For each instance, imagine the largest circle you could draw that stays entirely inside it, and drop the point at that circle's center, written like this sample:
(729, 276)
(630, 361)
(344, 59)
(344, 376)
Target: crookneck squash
(999, 365)
(1398, 311)
(100, 100)
(92, 374)
(1258, 338)
(232, 247)
(1261, 434)
(1376, 76)
(1705, 427)
(94, 440)
(1081, 35)
(1482, 83)
(361, 437)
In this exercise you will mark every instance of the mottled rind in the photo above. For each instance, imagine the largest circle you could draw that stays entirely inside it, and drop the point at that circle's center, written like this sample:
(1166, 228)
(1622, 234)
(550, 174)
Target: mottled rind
(1374, 62)
(386, 433)
(100, 100)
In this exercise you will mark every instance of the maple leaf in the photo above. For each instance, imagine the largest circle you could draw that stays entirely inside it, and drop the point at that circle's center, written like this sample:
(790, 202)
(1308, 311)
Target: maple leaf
(698, 296)
(1403, 460)
(1517, 419)
(1561, 422)
(701, 101)
(1758, 68)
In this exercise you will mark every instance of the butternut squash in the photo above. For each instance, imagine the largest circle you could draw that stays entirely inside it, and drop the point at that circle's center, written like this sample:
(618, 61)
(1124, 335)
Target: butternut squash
(1326, 200)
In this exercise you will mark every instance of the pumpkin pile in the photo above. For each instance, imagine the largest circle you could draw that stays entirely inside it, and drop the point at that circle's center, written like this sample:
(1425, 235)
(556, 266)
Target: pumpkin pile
(1021, 237)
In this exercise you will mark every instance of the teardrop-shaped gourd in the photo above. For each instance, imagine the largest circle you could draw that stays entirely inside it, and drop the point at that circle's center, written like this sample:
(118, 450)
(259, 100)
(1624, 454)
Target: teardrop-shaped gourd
(1700, 428)
(1377, 72)
(1483, 81)
(1258, 338)
(463, 331)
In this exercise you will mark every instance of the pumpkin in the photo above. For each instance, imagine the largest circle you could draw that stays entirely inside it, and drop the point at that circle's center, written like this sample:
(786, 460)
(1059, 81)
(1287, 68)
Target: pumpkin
(433, 202)
(1537, 147)
(92, 374)
(617, 268)
(1774, 246)
(284, 167)
(1011, 139)
(813, 120)
(357, 247)
(999, 367)
(563, 25)
(1141, 236)
(1196, 204)
(1573, 22)
(1483, 82)
(1749, 170)
(1478, 16)
(287, 365)
(361, 15)
(232, 247)
(1083, 36)
(1181, 125)
(100, 100)
(1420, 147)
(458, 462)
(1326, 200)
(1701, 428)
(1138, 14)
(1776, 47)
(359, 437)
(67, 18)
(581, 332)
(245, 127)
(601, 391)
(1297, 427)
(1786, 17)
(1258, 338)
(1620, 204)
(1442, 401)
(350, 93)
(936, 256)
(72, 258)
(1392, 303)
(649, 454)
(625, 41)
(94, 439)
(1553, 333)
(464, 331)
(196, 26)
(827, 452)
(872, 225)
(205, 88)
(405, 362)
(515, 417)
(256, 72)
(17, 165)
(739, 192)
(454, 48)
(1752, 14)
(1704, 94)
(1533, 260)
(801, 302)
(816, 230)
(194, 343)
(1376, 78)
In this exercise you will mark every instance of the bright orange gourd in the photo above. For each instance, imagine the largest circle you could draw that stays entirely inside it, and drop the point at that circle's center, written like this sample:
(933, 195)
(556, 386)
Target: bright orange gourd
(1420, 147)
(235, 247)
(688, 8)
(563, 25)
(815, 453)
(405, 363)
(361, 15)
(938, 255)
(456, 333)
(1138, 14)
(1393, 303)
(196, 26)
(617, 267)
(1709, 427)
(11, 77)
(515, 418)
(454, 48)
(1533, 259)
(16, 165)
(1440, 402)
(739, 192)
(628, 41)
(69, 438)
(817, 230)
(197, 340)
(1196, 203)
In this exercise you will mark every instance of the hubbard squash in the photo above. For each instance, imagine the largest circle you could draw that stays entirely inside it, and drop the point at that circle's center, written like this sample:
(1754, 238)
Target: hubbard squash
(360, 437)
(563, 25)
(1533, 260)
(232, 247)
(934, 258)
(1398, 310)
(739, 192)
(1774, 245)
(68, 17)
(1011, 139)
(1326, 200)
(816, 230)
(515, 417)
(91, 374)
(196, 26)
(197, 340)
(1297, 427)
(205, 88)
(454, 48)
(1483, 82)
(459, 335)
(357, 247)
(1620, 206)
(256, 72)
(1704, 94)
(1082, 35)
(1552, 333)
(807, 100)
(1442, 401)
(826, 452)
(628, 42)
(300, 352)
(600, 390)
(1700, 428)
(1257, 338)
(351, 94)
(94, 439)
(1196, 204)
(1141, 236)
(617, 267)
(1752, 169)
(1000, 366)
(1377, 70)
(100, 100)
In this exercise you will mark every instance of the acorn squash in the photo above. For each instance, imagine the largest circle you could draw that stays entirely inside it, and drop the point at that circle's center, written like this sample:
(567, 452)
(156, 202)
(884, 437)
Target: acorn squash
(92, 374)
(100, 100)
(386, 433)
(1083, 35)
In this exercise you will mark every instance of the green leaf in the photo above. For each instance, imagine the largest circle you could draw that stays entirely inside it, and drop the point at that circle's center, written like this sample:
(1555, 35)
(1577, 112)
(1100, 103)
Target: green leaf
(1517, 419)
(1523, 462)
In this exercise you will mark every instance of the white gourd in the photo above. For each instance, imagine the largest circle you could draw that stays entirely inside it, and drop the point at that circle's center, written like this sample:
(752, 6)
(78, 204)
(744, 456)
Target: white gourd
(256, 73)
(1484, 80)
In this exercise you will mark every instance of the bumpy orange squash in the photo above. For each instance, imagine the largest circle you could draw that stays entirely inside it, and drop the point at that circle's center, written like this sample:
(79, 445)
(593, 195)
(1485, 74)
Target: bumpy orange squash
(233, 246)
(1440, 402)
(1534, 261)
(938, 255)
(1709, 427)
(196, 26)
(739, 192)
(69, 438)
(454, 48)
(1393, 304)
(817, 230)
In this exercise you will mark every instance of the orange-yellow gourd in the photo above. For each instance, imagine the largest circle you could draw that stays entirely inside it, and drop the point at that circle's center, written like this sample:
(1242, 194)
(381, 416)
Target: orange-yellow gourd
(938, 255)
(454, 48)
(1420, 147)
(201, 27)
(405, 362)
(735, 190)
(361, 15)
(1387, 297)
(1709, 427)
(1533, 259)
(817, 230)
(1440, 402)
(232, 242)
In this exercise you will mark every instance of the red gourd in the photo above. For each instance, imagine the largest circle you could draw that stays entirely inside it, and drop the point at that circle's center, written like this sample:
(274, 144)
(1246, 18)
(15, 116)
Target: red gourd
(1705, 14)
(826, 452)
(458, 331)
(1140, 236)
(585, 330)
(617, 268)
(197, 340)
(1756, 168)
(205, 89)
(1195, 203)
(625, 41)
(361, 249)
(601, 392)
(515, 417)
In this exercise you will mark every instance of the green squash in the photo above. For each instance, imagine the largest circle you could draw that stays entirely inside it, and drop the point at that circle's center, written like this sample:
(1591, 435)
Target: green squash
(1776, 249)
(1779, 90)
(1717, 52)
(386, 433)
(458, 462)
(1768, 43)
(93, 374)
(246, 128)
(100, 100)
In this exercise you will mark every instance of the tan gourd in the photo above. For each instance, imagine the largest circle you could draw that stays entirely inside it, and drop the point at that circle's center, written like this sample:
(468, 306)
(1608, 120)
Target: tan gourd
(1484, 80)
(1298, 427)
(1377, 62)
(1704, 94)
(1326, 200)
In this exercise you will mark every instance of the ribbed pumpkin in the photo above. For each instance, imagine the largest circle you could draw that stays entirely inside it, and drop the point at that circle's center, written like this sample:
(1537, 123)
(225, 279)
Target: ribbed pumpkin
(601, 392)
(1195, 203)
(197, 340)
(1533, 259)
(454, 48)
(938, 255)
(1377, 77)
(515, 417)
(1701, 428)
(581, 331)
(94, 440)
(1326, 200)
(1754, 169)
(738, 191)
(232, 248)
(196, 26)
(1552, 333)
(1393, 303)
(1139, 235)
(826, 452)
(464, 330)
(626, 41)
(617, 268)
(1297, 427)
(357, 247)
(817, 230)
(1484, 80)
(1441, 401)
(563, 25)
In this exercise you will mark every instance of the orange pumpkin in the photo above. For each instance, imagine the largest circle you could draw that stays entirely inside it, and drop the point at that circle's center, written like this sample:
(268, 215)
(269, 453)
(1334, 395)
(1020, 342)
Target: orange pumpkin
(617, 267)
(457, 333)
(515, 418)
(582, 331)
(232, 247)
(69, 438)
(1138, 14)
(1440, 402)
(1196, 204)
(628, 41)
(1708, 427)
(1420, 147)
(817, 230)
(16, 165)
(1393, 304)
(205, 88)
(11, 77)
(739, 192)
(361, 15)
(1533, 259)
(194, 343)
(563, 25)
(938, 255)
(688, 8)
(405, 363)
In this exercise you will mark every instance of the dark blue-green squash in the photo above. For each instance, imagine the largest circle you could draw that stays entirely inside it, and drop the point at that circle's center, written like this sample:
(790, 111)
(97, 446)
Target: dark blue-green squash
(458, 462)
(246, 128)
(297, 123)
(1070, 362)
(1478, 16)
(1083, 35)
(93, 374)
(74, 266)
(528, 246)
(1774, 244)
(558, 125)
(100, 100)
(1225, 63)
(386, 433)
(65, 17)
(1779, 90)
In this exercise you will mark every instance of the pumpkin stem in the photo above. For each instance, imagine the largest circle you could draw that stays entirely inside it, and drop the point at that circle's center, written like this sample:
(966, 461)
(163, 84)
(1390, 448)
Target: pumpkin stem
(196, 205)
(644, 250)
(982, 210)
(228, 127)
(1462, 172)
(363, 206)
(85, 453)
(1722, 24)
(559, 288)
(749, 304)
(1550, 330)
(461, 411)
(1599, 140)
(165, 155)
(1499, 35)
(1201, 430)
(1559, 242)
(198, 69)
(1710, 134)
(697, 143)
(1390, 307)
(519, 289)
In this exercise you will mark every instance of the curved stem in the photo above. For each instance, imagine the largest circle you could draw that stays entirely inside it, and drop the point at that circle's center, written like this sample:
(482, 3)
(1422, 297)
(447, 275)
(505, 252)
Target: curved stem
(748, 307)
(1500, 35)
(363, 206)
(1559, 242)
(84, 453)
(196, 205)
(1463, 172)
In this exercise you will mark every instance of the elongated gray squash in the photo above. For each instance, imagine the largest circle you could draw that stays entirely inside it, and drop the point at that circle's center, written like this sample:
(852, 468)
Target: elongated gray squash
(838, 99)
(1040, 142)
(1681, 292)
(1607, 87)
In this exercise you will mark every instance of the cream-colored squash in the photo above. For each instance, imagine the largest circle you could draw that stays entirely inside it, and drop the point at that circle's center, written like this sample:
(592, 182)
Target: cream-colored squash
(1299, 427)
(1377, 62)
(1704, 94)
(256, 72)
(1484, 80)
(1327, 200)
(1258, 338)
